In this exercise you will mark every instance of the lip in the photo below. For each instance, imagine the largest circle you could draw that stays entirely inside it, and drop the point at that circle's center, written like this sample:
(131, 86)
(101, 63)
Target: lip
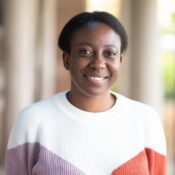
(98, 80)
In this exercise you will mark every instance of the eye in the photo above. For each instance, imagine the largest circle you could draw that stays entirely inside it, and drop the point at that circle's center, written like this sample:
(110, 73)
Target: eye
(110, 53)
(86, 52)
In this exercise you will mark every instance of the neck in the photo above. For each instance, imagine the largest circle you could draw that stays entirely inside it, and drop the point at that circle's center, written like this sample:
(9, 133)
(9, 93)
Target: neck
(98, 103)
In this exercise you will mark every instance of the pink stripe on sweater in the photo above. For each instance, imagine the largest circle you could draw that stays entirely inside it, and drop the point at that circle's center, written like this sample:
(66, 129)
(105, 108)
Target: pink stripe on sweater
(34, 159)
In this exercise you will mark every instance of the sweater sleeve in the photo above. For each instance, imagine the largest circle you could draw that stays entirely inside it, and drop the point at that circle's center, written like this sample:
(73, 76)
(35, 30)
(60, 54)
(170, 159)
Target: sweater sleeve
(21, 154)
(155, 144)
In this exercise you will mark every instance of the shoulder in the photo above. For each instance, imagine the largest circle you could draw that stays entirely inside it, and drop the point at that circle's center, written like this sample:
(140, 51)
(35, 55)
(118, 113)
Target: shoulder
(142, 113)
(148, 120)
(39, 110)
(136, 108)
(131, 105)
(31, 121)
(35, 111)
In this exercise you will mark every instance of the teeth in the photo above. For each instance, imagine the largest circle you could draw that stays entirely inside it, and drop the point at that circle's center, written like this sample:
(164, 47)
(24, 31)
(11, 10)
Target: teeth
(96, 78)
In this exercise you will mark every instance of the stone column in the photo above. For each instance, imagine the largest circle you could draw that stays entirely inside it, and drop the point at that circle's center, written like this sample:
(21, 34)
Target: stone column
(46, 49)
(145, 60)
(20, 29)
(124, 82)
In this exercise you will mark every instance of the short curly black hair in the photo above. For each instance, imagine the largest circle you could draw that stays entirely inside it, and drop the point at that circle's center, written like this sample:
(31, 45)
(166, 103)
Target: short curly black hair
(82, 19)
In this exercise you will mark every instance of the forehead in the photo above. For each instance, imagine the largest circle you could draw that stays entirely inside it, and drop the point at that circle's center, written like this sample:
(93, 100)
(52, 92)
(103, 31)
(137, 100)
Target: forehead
(96, 32)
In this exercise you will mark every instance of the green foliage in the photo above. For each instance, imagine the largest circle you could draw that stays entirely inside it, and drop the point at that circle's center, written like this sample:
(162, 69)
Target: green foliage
(171, 27)
(169, 74)
(169, 60)
(173, 17)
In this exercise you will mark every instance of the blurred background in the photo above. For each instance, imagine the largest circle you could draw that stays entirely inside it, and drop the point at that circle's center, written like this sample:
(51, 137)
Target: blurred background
(31, 64)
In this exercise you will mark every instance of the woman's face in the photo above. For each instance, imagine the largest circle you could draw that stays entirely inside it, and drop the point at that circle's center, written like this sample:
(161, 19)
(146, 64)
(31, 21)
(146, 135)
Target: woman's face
(94, 59)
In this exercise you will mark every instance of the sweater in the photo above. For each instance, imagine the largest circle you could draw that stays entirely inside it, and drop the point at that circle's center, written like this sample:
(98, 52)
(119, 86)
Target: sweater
(53, 137)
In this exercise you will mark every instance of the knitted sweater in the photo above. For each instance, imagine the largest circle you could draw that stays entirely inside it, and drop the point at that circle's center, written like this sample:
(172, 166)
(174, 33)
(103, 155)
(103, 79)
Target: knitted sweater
(53, 137)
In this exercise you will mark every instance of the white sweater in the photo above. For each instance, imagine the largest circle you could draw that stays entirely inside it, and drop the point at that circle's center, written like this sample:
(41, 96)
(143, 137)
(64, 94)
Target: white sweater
(53, 137)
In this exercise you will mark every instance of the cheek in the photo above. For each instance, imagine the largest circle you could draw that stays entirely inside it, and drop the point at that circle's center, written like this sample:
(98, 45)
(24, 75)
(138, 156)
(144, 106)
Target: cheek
(79, 63)
(76, 66)
(114, 67)
(114, 74)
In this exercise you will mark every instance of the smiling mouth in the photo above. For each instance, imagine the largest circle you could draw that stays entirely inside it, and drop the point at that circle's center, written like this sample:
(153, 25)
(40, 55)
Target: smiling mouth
(95, 78)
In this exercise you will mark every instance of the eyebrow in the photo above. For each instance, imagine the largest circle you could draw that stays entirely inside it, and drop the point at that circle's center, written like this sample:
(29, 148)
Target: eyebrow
(106, 45)
(84, 43)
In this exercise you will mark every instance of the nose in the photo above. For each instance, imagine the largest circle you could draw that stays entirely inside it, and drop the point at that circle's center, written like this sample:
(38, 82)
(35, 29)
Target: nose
(98, 62)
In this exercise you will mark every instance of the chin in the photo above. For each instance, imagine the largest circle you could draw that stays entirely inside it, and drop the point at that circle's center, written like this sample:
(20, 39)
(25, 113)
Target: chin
(94, 92)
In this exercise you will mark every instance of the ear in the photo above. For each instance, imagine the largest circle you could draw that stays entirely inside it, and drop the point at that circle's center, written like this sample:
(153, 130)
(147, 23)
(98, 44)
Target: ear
(66, 58)
(121, 59)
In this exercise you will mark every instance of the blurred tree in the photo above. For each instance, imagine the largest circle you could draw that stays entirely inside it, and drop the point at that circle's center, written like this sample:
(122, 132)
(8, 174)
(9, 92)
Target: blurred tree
(168, 32)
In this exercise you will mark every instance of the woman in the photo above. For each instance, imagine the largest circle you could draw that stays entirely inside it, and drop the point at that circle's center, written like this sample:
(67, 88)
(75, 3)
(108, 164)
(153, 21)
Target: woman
(88, 130)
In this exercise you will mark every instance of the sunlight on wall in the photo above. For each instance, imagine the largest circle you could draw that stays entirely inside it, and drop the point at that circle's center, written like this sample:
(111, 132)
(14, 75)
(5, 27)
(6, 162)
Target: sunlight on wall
(165, 8)
(112, 6)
